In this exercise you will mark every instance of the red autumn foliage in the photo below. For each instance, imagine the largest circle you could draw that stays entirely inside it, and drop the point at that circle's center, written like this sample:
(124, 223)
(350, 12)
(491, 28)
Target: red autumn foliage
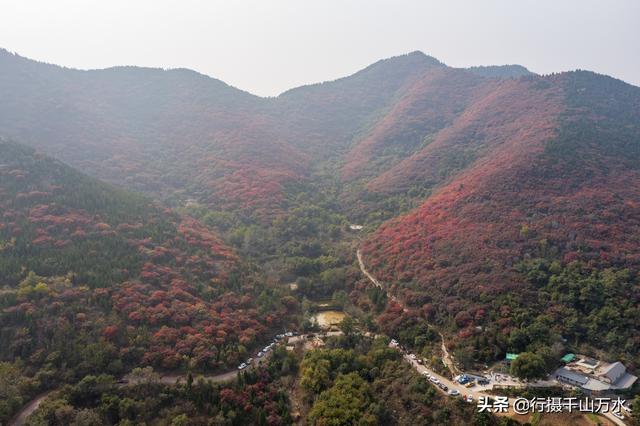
(517, 199)
(429, 104)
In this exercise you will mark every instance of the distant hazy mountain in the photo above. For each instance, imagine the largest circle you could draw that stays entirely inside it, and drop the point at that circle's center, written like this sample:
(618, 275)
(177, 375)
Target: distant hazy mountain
(177, 134)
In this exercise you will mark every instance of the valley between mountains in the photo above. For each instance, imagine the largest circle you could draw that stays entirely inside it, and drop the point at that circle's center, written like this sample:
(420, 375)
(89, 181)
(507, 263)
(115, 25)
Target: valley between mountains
(164, 222)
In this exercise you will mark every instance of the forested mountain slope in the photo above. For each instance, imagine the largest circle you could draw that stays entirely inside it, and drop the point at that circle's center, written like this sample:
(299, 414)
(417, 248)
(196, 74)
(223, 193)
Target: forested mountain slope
(505, 113)
(501, 70)
(525, 186)
(327, 117)
(429, 105)
(164, 132)
(179, 135)
(536, 238)
(94, 279)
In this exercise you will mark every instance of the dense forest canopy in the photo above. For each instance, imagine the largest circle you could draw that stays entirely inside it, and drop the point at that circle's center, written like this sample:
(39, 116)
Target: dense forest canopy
(169, 221)
(95, 279)
(540, 234)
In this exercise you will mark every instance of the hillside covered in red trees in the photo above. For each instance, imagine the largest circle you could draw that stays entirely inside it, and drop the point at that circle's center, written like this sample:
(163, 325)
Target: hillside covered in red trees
(93, 278)
(535, 239)
(502, 207)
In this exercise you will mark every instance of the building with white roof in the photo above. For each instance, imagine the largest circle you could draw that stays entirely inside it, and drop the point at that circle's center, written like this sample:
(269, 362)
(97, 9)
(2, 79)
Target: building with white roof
(595, 376)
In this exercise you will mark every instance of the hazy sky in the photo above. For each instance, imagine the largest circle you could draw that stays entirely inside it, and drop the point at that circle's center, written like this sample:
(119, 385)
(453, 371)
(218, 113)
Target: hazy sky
(267, 46)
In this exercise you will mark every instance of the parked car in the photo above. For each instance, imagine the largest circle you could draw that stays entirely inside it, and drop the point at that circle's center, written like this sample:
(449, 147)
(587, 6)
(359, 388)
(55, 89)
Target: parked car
(483, 382)
(469, 398)
(453, 392)
(443, 387)
(469, 385)
(425, 374)
(434, 380)
(242, 366)
(463, 379)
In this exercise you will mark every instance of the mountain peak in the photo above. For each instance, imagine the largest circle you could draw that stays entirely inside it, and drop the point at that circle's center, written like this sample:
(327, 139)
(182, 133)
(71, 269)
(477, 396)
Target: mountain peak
(412, 59)
(419, 54)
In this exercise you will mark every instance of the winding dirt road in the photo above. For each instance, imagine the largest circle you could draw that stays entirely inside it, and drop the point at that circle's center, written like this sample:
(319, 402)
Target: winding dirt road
(366, 273)
(477, 390)
(169, 379)
(446, 357)
(20, 418)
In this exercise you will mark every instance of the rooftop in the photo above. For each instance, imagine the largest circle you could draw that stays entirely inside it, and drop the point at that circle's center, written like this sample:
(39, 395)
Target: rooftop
(612, 371)
(625, 382)
(571, 375)
(585, 374)
(596, 385)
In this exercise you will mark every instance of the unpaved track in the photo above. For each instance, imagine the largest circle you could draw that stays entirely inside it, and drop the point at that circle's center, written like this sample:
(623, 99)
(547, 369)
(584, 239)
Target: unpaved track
(20, 418)
(446, 357)
(169, 379)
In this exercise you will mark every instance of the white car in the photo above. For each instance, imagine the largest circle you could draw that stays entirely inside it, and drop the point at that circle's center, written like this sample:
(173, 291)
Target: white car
(425, 374)
(434, 380)
(249, 361)
(469, 398)
(260, 354)
(242, 366)
(453, 392)
(618, 415)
